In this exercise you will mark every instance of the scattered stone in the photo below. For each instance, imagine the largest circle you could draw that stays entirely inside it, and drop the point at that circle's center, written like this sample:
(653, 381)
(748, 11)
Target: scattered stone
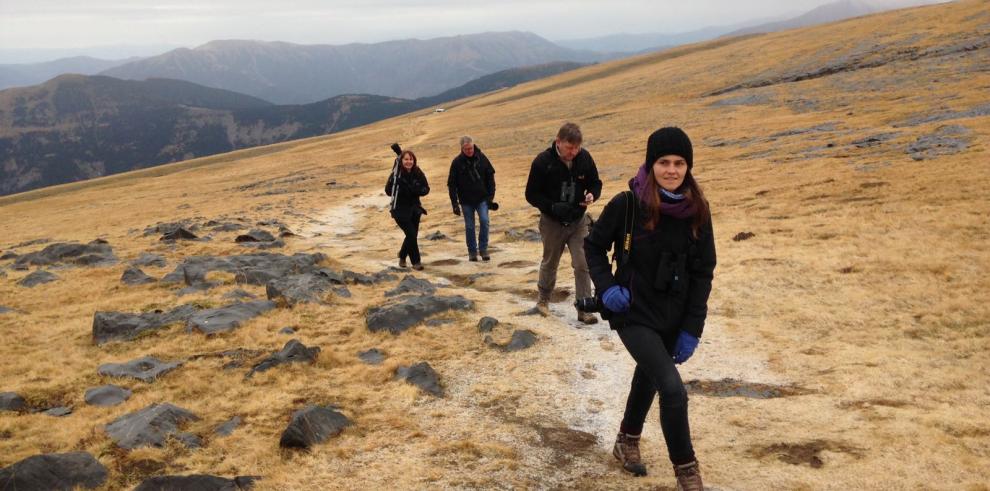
(197, 482)
(875, 140)
(95, 253)
(254, 269)
(487, 324)
(188, 440)
(212, 321)
(409, 311)
(148, 259)
(255, 235)
(134, 276)
(58, 411)
(946, 140)
(743, 236)
(8, 255)
(411, 284)
(106, 395)
(169, 227)
(36, 278)
(303, 288)
(56, 471)
(228, 427)
(527, 235)
(10, 401)
(423, 376)
(312, 425)
(287, 330)
(238, 294)
(800, 131)
(178, 234)
(743, 100)
(284, 232)
(4, 310)
(438, 235)
(293, 352)
(374, 356)
(978, 111)
(31, 243)
(145, 369)
(439, 322)
(738, 388)
(120, 326)
(520, 340)
(149, 426)
(342, 291)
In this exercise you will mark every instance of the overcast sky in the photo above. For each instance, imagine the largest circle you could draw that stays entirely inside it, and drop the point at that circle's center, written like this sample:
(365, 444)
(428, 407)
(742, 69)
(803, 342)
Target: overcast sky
(35, 24)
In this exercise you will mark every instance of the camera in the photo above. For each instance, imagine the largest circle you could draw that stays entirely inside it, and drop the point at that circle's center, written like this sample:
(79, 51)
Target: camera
(590, 304)
(396, 148)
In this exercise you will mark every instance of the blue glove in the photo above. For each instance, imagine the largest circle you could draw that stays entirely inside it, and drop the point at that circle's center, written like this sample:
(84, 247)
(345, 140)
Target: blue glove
(616, 299)
(686, 344)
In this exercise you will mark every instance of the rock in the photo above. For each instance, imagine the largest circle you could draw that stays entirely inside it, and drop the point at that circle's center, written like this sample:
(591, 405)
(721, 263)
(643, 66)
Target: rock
(527, 235)
(357, 278)
(145, 369)
(238, 294)
(148, 259)
(106, 395)
(743, 236)
(97, 252)
(228, 427)
(179, 233)
(134, 276)
(58, 411)
(743, 100)
(196, 482)
(293, 352)
(10, 401)
(169, 227)
(36, 278)
(875, 140)
(255, 235)
(284, 232)
(520, 340)
(312, 425)
(149, 426)
(120, 326)
(254, 269)
(212, 321)
(486, 324)
(188, 440)
(374, 356)
(409, 311)
(411, 284)
(56, 471)
(287, 330)
(438, 235)
(4, 310)
(423, 376)
(978, 111)
(946, 140)
(303, 288)
(824, 127)
(8, 255)
(342, 292)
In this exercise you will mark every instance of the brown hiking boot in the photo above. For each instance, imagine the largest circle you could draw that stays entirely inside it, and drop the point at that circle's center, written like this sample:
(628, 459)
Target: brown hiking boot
(688, 477)
(626, 450)
(543, 307)
(587, 317)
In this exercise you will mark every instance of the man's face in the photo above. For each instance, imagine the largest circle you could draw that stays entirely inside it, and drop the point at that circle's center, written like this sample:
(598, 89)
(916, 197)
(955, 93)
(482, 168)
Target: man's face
(567, 149)
(468, 149)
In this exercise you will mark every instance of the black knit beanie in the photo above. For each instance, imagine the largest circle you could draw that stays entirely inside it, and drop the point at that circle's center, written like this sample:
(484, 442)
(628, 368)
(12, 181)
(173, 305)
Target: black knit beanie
(669, 141)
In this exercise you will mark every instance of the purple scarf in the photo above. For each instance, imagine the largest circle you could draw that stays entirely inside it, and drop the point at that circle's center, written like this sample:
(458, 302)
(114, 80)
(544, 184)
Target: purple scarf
(669, 206)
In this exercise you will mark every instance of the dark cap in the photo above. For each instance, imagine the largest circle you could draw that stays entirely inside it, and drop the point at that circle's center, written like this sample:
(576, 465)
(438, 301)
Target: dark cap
(669, 141)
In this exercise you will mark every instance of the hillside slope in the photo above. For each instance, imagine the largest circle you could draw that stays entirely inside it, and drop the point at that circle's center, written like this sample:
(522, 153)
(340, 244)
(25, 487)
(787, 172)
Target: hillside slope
(845, 346)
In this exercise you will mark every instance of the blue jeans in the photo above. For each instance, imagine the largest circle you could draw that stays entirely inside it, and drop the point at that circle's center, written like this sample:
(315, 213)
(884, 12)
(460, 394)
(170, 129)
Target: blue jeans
(467, 211)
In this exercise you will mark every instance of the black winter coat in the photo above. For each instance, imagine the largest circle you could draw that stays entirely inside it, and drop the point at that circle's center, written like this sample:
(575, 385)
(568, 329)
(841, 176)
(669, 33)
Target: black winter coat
(412, 185)
(548, 176)
(471, 180)
(668, 272)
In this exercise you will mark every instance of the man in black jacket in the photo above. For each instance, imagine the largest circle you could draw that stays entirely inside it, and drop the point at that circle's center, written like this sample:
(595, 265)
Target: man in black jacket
(563, 182)
(471, 183)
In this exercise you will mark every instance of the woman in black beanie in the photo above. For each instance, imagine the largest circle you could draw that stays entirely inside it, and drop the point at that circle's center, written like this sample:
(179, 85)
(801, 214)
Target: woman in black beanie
(657, 299)
(406, 185)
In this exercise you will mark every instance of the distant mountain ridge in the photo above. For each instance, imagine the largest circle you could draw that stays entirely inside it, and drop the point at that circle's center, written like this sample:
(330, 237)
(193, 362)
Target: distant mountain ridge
(286, 73)
(27, 74)
(77, 127)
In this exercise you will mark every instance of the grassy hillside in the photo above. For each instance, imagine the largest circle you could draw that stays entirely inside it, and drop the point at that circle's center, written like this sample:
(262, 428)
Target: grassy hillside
(847, 337)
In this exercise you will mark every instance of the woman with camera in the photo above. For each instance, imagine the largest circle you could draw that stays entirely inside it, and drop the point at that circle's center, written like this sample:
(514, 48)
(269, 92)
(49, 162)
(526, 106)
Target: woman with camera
(406, 185)
(657, 299)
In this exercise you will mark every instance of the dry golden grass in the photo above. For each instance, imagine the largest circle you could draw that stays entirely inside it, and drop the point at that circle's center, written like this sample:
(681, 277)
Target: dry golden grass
(865, 285)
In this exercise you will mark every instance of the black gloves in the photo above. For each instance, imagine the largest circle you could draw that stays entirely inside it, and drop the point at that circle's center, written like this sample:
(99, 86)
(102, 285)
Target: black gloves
(457, 210)
(493, 206)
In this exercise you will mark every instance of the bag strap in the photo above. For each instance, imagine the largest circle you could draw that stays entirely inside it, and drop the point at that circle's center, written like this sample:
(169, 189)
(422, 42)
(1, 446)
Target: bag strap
(627, 231)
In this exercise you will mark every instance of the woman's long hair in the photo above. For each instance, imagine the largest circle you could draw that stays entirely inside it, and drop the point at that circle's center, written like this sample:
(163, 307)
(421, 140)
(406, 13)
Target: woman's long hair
(691, 191)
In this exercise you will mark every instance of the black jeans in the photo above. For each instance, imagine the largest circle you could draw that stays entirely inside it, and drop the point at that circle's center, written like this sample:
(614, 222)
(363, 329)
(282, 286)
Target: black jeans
(408, 221)
(656, 373)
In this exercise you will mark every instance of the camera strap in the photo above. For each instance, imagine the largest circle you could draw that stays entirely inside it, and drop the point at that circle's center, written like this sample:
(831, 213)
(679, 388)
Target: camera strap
(627, 231)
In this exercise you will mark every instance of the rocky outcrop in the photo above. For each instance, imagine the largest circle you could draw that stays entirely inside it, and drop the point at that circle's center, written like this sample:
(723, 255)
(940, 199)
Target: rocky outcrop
(120, 326)
(313, 425)
(213, 321)
(95, 253)
(54, 472)
(409, 311)
(36, 278)
(149, 427)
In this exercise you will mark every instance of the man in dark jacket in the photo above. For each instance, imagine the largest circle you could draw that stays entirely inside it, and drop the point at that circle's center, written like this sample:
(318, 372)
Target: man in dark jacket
(563, 182)
(471, 183)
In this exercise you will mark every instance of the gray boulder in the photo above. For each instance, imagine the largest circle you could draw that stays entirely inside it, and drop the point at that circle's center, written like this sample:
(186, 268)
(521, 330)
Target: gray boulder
(145, 369)
(106, 395)
(228, 427)
(134, 276)
(196, 482)
(97, 252)
(10, 401)
(399, 316)
(487, 324)
(520, 340)
(179, 233)
(56, 471)
(4, 310)
(213, 321)
(36, 278)
(946, 140)
(8, 255)
(293, 352)
(423, 376)
(374, 356)
(255, 235)
(148, 427)
(527, 235)
(58, 412)
(120, 326)
(312, 425)
(149, 259)
(303, 288)
(411, 284)
(254, 269)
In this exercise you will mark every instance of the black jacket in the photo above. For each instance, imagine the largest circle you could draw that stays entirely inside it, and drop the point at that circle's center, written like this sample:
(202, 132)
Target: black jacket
(548, 176)
(668, 272)
(471, 180)
(411, 186)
